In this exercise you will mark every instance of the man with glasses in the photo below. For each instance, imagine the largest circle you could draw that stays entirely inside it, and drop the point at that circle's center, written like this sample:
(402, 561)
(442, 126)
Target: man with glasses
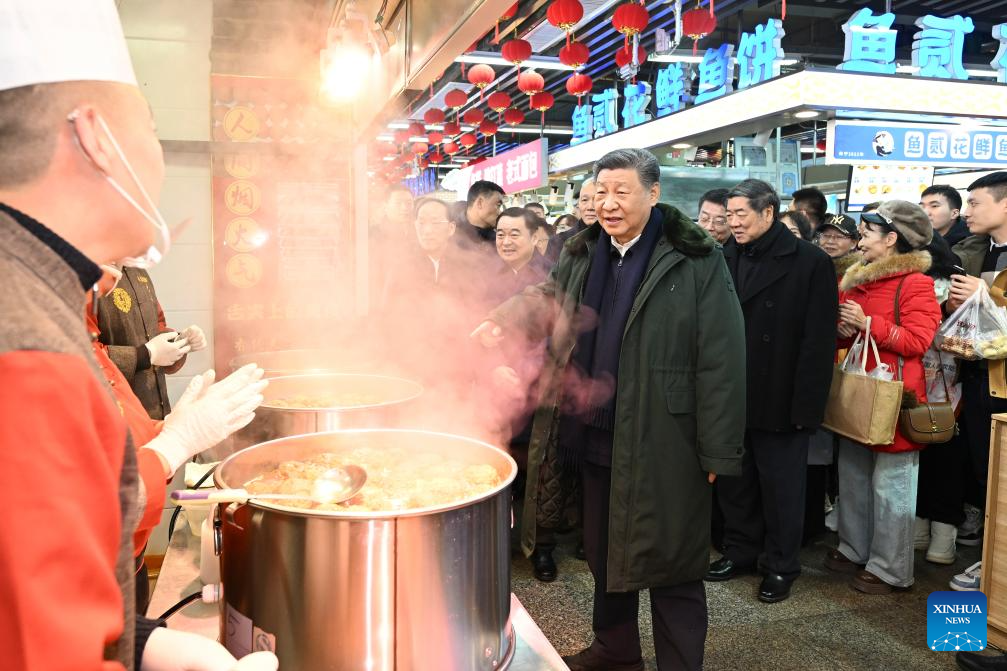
(713, 214)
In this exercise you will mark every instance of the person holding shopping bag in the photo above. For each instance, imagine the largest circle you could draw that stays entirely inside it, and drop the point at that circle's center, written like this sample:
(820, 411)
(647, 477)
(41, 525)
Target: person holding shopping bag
(888, 297)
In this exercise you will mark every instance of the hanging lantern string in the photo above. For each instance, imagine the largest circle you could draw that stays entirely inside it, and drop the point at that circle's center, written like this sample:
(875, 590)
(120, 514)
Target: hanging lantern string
(784, 16)
(712, 10)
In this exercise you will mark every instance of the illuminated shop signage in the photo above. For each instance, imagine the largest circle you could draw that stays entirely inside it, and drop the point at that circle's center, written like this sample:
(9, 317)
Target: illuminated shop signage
(869, 48)
(909, 144)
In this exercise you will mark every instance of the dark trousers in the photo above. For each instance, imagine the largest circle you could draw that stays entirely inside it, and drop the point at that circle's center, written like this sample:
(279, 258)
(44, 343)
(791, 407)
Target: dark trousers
(679, 611)
(940, 488)
(978, 407)
(764, 506)
(814, 502)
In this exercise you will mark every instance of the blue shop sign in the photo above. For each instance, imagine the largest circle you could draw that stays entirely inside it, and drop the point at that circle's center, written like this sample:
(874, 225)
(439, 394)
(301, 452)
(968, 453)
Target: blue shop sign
(881, 143)
(869, 49)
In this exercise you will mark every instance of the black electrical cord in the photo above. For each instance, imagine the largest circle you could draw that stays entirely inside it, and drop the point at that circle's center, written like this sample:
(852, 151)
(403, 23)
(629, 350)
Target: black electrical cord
(178, 509)
(180, 605)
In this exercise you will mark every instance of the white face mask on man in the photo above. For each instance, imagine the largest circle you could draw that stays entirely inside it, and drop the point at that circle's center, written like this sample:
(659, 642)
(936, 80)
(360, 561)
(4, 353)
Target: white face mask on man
(162, 242)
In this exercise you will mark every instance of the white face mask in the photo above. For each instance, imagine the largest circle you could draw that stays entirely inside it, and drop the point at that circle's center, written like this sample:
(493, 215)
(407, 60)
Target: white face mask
(162, 243)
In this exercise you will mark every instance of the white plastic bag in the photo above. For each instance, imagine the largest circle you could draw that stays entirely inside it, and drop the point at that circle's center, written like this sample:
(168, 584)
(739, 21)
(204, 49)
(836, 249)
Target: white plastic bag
(976, 330)
(856, 359)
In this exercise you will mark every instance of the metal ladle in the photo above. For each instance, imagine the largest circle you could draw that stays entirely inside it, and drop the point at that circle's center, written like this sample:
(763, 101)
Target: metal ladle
(334, 486)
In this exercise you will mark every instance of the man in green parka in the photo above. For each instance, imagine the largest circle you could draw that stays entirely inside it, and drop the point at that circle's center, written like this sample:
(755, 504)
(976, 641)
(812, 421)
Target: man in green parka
(643, 399)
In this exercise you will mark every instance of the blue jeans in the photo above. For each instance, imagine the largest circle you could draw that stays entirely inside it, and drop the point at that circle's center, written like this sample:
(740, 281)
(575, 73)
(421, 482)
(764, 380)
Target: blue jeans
(877, 507)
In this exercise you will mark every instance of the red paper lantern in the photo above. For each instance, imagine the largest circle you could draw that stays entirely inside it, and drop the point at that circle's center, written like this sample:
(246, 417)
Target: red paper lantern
(481, 76)
(436, 158)
(565, 14)
(579, 85)
(498, 101)
(451, 148)
(516, 51)
(422, 163)
(434, 116)
(697, 24)
(623, 56)
(420, 147)
(509, 14)
(487, 127)
(451, 128)
(513, 116)
(542, 101)
(473, 117)
(468, 140)
(530, 82)
(574, 54)
(401, 136)
(416, 129)
(456, 98)
(433, 137)
(630, 19)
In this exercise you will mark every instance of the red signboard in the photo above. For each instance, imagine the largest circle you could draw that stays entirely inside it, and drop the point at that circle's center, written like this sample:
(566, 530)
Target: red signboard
(519, 169)
(282, 220)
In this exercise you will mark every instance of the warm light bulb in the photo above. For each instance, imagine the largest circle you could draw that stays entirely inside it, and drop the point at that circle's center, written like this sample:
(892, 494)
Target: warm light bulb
(345, 68)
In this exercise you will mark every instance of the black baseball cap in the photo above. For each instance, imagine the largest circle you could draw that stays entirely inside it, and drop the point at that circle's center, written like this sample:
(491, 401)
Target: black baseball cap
(842, 223)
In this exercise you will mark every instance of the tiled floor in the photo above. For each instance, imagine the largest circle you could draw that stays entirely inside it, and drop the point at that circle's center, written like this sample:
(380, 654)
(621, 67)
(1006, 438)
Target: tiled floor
(824, 625)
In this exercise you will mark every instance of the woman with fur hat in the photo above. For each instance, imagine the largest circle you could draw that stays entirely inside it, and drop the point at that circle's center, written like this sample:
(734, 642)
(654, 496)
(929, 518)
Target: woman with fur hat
(877, 483)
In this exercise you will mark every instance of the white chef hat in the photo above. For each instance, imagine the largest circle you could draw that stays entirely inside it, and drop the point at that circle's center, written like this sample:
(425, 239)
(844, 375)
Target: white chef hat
(46, 41)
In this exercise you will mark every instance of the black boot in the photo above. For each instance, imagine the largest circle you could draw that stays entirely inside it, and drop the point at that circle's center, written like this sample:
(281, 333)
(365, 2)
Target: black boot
(543, 565)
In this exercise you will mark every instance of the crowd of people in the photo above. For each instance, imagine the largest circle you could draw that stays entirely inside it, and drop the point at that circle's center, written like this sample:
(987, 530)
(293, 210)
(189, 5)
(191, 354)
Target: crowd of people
(673, 371)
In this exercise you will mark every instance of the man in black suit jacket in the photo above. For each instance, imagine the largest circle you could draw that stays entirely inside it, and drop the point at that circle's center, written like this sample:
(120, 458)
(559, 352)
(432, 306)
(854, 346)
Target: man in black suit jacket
(788, 294)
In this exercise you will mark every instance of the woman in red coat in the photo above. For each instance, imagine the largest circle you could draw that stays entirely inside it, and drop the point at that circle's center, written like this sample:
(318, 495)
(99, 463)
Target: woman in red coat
(877, 483)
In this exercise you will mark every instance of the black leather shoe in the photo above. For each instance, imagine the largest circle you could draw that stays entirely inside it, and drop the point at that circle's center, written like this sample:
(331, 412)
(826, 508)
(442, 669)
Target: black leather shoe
(774, 588)
(725, 569)
(973, 661)
(579, 552)
(543, 565)
(587, 660)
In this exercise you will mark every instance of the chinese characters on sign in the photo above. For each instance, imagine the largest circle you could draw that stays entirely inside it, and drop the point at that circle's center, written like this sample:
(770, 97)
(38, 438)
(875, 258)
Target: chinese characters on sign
(760, 53)
(672, 89)
(870, 43)
(999, 61)
(937, 48)
(634, 111)
(869, 48)
(516, 170)
(716, 73)
(604, 112)
(907, 144)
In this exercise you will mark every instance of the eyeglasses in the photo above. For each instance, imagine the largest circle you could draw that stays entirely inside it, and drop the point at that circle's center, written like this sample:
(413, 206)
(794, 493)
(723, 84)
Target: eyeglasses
(706, 219)
(833, 237)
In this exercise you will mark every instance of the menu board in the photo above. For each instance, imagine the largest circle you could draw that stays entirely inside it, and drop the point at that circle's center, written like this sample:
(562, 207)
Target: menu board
(871, 183)
(282, 220)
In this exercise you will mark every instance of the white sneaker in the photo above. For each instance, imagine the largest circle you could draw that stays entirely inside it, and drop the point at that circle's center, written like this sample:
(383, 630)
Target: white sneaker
(969, 580)
(942, 543)
(970, 532)
(921, 533)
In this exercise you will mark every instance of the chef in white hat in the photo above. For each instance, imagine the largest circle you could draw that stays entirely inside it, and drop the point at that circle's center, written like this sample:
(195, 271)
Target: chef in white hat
(80, 173)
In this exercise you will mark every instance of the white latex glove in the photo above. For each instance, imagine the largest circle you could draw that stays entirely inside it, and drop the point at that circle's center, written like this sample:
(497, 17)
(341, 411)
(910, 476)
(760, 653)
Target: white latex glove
(167, 348)
(195, 336)
(172, 650)
(208, 413)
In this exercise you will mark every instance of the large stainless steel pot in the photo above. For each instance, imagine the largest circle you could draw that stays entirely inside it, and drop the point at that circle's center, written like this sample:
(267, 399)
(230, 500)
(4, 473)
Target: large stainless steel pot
(277, 422)
(328, 591)
(280, 363)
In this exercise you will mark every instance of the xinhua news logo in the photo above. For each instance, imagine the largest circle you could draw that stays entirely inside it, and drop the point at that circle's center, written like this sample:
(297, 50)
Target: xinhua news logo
(956, 621)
